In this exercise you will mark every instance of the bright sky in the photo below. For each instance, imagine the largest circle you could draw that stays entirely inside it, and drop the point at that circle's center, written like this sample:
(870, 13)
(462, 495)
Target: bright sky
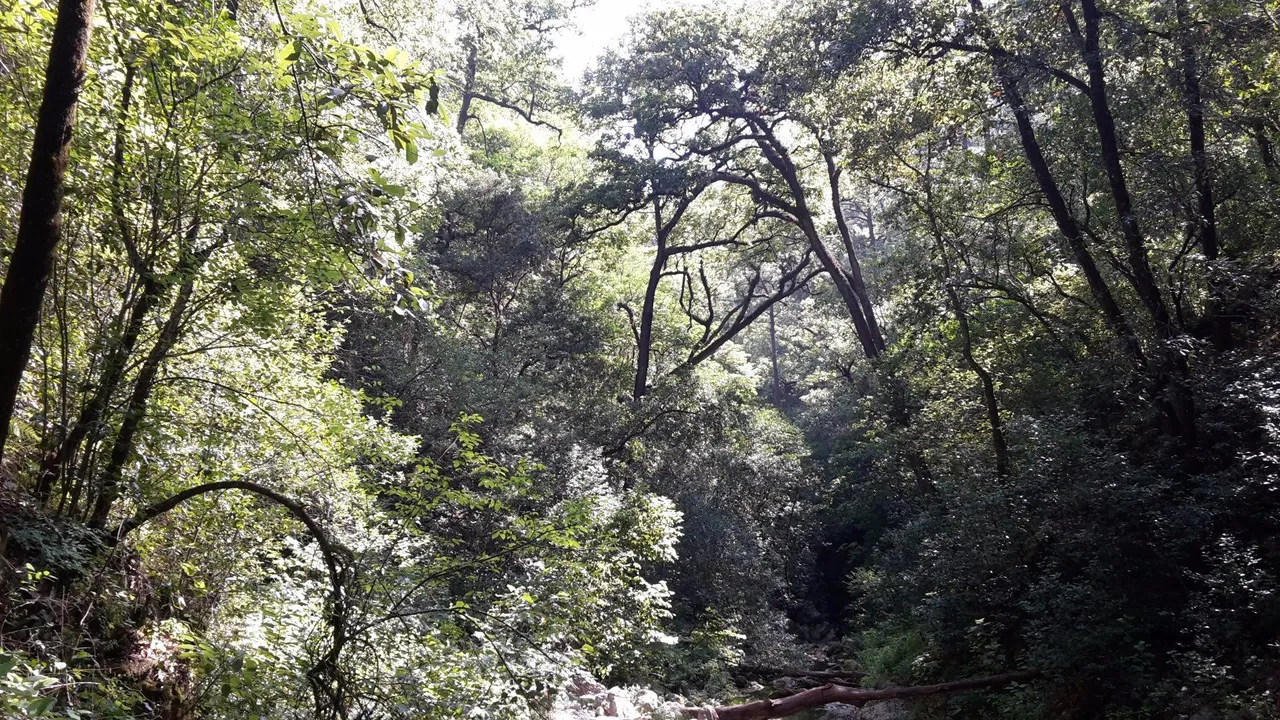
(601, 26)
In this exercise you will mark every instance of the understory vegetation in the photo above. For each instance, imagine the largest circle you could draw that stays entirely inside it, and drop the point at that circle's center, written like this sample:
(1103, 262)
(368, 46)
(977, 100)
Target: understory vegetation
(357, 361)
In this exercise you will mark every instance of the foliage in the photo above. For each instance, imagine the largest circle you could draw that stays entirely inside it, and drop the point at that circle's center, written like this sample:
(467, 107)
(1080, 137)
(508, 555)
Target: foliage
(383, 374)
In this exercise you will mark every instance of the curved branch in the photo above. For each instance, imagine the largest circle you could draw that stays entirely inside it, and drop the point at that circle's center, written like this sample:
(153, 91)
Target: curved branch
(325, 678)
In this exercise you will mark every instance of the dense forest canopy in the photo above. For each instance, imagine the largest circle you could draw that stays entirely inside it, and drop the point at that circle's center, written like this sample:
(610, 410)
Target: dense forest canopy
(357, 361)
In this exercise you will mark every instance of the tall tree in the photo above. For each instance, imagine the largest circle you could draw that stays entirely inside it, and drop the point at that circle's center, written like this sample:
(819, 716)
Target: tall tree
(40, 223)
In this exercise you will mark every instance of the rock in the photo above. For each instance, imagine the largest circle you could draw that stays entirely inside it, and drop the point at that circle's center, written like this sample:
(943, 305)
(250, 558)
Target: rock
(669, 710)
(886, 710)
(788, 684)
(618, 704)
(1205, 713)
(567, 713)
(581, 684)
(841, 711)
(647, 701)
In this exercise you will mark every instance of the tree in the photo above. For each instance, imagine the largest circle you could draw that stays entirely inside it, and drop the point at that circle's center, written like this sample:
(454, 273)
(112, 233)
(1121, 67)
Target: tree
(40, 226)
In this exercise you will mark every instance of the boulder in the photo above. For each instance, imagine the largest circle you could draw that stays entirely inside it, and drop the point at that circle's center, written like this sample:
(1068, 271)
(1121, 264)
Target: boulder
(582, 684)
(841, 711)
(886, 710)
(647, 701)
(618, 704)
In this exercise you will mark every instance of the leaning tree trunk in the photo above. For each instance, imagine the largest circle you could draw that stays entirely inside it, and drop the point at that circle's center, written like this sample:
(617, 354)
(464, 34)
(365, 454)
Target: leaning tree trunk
(1058, 207)
(1170, 368)
(136, 409)
(999, 444)
(40, 222)
(854, 273)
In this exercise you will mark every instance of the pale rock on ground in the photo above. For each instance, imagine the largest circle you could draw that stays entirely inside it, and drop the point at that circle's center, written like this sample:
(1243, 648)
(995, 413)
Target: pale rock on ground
(585, 698)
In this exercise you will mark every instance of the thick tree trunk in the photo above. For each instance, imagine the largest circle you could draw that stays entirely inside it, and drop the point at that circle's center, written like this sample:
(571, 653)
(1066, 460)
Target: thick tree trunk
(871, 341)
(776, 155)
(40, 221)
(644, 336)
(1143, 279)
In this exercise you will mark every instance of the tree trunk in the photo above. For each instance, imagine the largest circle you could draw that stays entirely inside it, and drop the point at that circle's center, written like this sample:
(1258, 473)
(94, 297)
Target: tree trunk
(998, 442)
(40, 221)
(776, 155)
(1170, 368)
(644, 336)
(1066, 223)
(855, 270)
(136, 409)
(1207, 222)
(468, 86)
(1143, 279)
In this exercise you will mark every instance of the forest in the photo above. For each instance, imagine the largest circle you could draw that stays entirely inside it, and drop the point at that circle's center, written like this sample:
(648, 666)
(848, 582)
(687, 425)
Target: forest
(837, 359)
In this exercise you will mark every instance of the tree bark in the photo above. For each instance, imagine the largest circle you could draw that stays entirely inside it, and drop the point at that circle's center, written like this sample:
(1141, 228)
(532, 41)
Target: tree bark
(777, 157)
(40, 221)
(820, 696)
(644, 338)
(468, 86)
(1170, 368)
(1143, 279)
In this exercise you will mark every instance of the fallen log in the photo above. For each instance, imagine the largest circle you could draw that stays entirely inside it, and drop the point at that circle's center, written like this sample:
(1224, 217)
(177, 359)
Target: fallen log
(771, 672)
(819, 696)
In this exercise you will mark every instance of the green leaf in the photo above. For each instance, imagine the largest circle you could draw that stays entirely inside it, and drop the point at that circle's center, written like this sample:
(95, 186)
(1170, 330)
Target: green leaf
(39, 707)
